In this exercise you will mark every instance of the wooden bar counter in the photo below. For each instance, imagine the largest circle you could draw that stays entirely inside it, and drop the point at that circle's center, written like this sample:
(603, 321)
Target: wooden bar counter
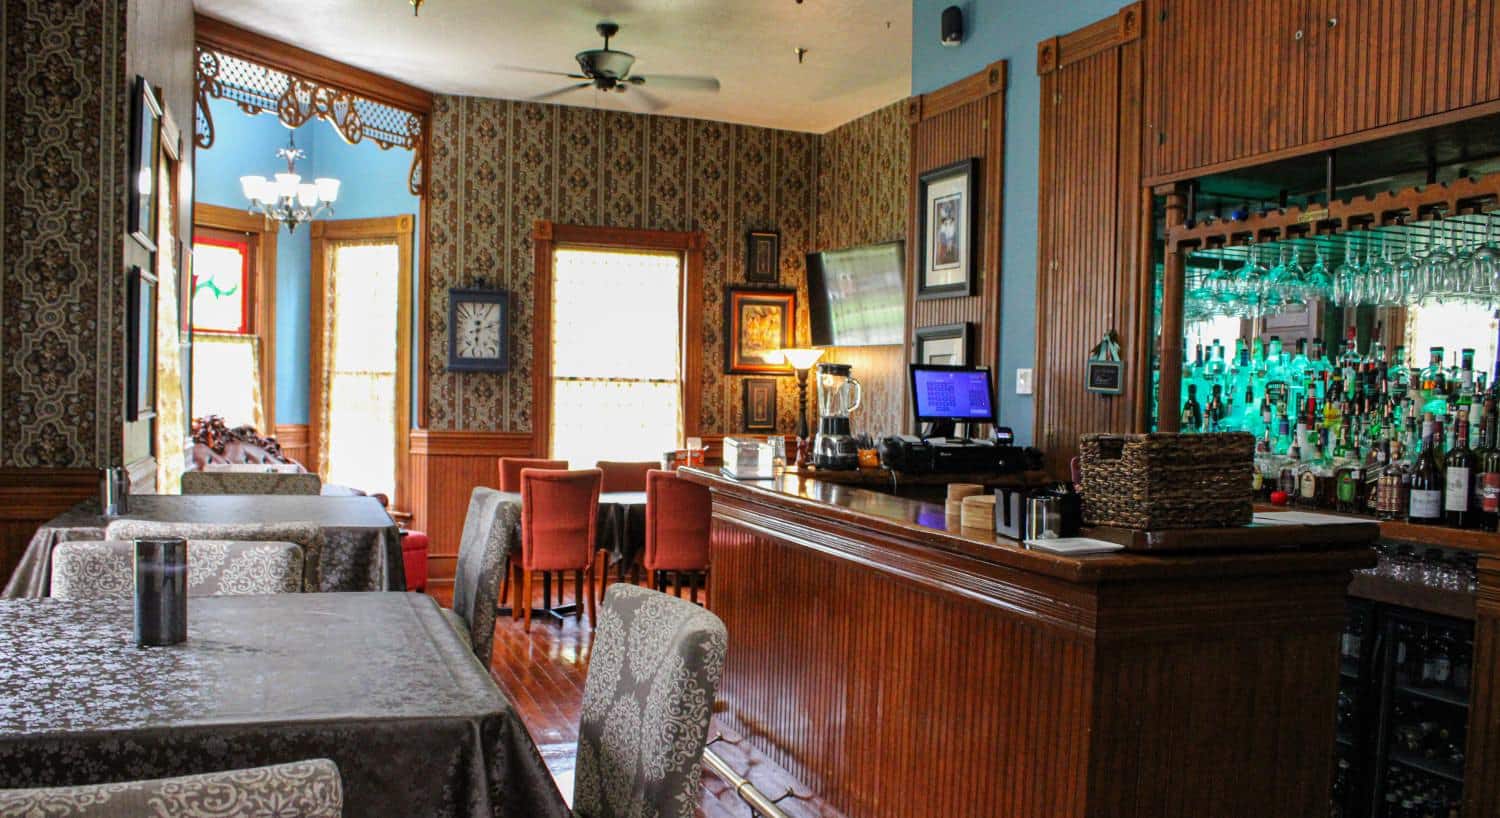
(902, 669)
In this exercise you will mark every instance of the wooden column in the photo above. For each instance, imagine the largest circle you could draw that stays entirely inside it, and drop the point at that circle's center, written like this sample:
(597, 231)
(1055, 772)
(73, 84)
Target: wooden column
(1482, 756)
(1173, 283)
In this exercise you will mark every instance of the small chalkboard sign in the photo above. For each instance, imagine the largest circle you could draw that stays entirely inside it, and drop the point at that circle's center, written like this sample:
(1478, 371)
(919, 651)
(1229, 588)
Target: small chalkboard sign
(1106, 373)
(1106, 377)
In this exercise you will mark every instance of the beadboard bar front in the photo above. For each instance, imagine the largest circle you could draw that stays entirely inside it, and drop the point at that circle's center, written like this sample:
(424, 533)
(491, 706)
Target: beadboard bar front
(900, 669)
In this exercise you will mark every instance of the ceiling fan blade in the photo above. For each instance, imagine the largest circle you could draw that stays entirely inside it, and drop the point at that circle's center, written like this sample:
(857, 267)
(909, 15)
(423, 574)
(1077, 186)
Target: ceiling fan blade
(559, 92)
(678, 81)
(651, 102)
(524, 70)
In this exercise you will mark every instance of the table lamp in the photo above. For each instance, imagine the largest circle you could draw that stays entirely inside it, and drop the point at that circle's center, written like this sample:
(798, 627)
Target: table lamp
(801, 360)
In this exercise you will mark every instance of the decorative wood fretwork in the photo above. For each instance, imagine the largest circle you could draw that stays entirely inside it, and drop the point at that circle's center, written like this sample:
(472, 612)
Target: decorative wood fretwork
(293, 99)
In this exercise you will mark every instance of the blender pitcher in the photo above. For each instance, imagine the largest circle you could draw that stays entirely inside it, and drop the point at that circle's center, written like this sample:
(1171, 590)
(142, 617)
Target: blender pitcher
(838, 395)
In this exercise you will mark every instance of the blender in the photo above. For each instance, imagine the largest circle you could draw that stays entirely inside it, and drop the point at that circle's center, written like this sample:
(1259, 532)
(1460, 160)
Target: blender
(838, 395)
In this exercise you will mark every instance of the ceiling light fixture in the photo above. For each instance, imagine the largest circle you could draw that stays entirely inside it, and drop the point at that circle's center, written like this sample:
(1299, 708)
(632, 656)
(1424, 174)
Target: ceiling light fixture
(416, 7)
(286, 198)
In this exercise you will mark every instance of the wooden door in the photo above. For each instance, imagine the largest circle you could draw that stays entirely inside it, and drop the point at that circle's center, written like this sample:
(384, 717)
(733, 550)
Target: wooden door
(1091, 276)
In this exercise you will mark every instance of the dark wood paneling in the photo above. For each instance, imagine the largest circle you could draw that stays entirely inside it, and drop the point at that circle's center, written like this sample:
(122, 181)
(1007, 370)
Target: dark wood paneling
(1482, 765)
(295, 441)
(898, 678)
(30, 497)
(1298, 76)
(960, 121)
(445, 468)
(1092, 278)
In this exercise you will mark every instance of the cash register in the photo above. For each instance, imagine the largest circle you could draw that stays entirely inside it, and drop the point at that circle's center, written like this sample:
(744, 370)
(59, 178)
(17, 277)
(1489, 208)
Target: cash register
(943, 397)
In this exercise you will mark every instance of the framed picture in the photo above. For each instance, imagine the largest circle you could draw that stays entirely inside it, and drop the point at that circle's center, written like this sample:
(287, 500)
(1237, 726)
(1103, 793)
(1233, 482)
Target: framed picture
(760, 405)
(948, 201)
(478, 330)
(758, 322)
(946, 344)
(762, 257)
(145, 148)
(140, 346)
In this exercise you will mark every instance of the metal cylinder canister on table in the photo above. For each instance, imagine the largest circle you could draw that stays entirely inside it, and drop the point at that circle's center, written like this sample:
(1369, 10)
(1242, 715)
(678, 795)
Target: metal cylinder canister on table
(114, 491)
(161, 584)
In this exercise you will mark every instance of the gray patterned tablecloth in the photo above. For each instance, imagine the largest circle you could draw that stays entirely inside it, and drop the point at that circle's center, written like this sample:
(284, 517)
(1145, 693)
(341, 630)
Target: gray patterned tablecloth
(361, 551)
(622, 523)
(380, 683)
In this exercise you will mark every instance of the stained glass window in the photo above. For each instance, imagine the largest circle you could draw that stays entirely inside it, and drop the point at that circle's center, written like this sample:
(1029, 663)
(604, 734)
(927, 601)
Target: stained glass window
(221, 285)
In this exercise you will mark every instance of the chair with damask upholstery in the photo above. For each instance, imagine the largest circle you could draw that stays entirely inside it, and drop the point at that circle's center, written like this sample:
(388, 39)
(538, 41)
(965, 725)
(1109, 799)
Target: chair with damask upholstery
(488, 528)
(307, 535)
(106, 570)
(238, 482)
(653, 674)
(301, 789)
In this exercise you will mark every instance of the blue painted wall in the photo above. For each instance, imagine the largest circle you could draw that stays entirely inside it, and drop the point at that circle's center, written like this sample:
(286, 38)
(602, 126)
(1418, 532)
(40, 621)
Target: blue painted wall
(374, 185)
(1010, 30)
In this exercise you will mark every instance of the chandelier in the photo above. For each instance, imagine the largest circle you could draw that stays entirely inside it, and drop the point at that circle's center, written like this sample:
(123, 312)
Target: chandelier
(286, 198)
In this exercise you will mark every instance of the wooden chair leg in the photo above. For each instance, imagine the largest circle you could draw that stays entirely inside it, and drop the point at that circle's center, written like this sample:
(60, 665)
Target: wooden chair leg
(590, 572)
(578, 592)
(526, 600)
(693, 586)
(517, 602)
(505, 584)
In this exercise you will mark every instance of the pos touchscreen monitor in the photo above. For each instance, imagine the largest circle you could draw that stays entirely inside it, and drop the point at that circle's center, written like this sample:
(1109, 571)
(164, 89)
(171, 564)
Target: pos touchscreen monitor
(948, 395)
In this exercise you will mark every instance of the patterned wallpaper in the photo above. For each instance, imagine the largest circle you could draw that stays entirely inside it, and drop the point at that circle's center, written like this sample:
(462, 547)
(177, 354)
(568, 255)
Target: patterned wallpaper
(498, 166)
(63, 185)
(862, 178)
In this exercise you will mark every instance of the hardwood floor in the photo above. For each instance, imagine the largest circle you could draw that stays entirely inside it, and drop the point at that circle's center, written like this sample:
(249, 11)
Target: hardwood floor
(543, 672)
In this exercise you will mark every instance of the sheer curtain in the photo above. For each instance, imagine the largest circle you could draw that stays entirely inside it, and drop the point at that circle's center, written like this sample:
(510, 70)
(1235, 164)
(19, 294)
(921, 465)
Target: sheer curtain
(358, 404)
(616, 355)
(226, 379)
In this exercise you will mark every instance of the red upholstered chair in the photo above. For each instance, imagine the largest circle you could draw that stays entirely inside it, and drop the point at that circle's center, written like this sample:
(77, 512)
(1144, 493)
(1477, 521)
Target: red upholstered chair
(414, 558)
(677, 523)
(559, 518)
(625, 476)
(510, 469)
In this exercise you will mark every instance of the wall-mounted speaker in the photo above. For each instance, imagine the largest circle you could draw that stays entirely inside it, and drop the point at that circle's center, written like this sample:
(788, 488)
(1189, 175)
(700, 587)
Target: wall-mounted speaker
(953, 26)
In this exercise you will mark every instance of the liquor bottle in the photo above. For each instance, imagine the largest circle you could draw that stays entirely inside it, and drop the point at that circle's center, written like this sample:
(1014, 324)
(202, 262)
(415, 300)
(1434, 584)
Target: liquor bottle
(1434, 383)
(1427, 479)
(1489, 472)
(1466, 379)
(1459, 466)
(1192, 411)
(1214, 412)
(1391, 500)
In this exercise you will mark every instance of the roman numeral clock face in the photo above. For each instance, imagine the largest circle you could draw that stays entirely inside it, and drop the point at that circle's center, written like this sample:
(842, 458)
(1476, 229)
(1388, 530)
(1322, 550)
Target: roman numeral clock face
(478, 330)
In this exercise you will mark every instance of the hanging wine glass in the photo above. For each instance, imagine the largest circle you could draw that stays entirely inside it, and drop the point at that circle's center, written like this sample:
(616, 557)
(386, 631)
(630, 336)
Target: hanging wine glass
(1407, 283)
(1319, 281)
(1294, 289)
(1484, 262)
(1345, 276)
(1434, 265)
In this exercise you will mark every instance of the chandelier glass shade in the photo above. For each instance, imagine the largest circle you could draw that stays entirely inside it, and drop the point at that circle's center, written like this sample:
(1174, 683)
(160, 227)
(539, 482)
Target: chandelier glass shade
(285, 197)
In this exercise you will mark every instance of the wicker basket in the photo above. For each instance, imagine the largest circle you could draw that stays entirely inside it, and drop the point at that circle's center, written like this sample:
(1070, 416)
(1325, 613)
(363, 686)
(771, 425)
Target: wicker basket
(1157, 481)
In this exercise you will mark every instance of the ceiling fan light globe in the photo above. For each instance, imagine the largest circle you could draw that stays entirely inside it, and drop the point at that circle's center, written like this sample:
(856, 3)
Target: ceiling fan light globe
(599, 62)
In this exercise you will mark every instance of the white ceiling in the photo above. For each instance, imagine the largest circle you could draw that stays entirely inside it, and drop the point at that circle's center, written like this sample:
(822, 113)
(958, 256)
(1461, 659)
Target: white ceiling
(858, 51)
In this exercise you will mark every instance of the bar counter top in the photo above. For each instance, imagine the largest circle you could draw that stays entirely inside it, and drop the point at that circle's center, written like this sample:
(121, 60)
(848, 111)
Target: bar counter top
(1257, 547)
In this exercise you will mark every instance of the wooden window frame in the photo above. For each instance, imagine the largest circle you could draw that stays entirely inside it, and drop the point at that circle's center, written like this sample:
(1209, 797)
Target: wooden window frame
(547, 237)
(214, 237)
(398, 230)
(261, 233)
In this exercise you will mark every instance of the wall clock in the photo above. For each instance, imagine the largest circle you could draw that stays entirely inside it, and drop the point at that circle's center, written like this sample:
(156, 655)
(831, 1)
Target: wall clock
(478, 330)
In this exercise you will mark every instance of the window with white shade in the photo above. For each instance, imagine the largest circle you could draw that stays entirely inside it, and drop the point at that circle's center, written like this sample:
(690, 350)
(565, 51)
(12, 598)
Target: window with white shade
(616, 355)
(359, 405)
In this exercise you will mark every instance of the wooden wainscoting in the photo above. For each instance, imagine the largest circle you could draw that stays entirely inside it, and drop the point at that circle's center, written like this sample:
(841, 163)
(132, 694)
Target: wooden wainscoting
(445, 468)
(296, 443)
(30, 497)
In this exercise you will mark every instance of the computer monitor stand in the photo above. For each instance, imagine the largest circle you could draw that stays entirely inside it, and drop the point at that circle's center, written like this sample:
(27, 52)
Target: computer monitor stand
(947, 429)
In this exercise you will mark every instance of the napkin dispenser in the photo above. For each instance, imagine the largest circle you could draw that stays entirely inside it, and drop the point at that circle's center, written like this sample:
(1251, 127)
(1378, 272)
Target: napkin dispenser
(748, 458)
(1010, 513)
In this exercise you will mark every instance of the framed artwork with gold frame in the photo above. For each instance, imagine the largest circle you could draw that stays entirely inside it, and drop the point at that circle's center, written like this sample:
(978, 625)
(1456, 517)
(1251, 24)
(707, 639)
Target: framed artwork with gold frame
(757, 323)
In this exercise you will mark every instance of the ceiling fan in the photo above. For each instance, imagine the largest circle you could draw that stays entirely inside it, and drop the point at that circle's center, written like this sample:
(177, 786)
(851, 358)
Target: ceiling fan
(607, 69)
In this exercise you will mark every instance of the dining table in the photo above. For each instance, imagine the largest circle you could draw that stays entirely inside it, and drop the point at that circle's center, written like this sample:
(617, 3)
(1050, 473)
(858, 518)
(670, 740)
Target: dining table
(361, 550)
(379, 683)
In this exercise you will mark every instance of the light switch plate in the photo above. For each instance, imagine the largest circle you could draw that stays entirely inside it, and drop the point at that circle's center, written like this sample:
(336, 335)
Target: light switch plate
(1023, 381)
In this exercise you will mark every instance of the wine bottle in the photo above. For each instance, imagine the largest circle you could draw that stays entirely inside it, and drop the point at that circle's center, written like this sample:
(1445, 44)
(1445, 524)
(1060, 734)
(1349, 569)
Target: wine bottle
(1192, 411)
(1459, 476)
(1489, 473)
(1426, 498)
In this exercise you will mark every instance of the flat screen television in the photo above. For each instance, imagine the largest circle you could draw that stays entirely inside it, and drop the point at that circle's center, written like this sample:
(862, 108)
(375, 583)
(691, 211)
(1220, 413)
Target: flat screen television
(857, 297)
